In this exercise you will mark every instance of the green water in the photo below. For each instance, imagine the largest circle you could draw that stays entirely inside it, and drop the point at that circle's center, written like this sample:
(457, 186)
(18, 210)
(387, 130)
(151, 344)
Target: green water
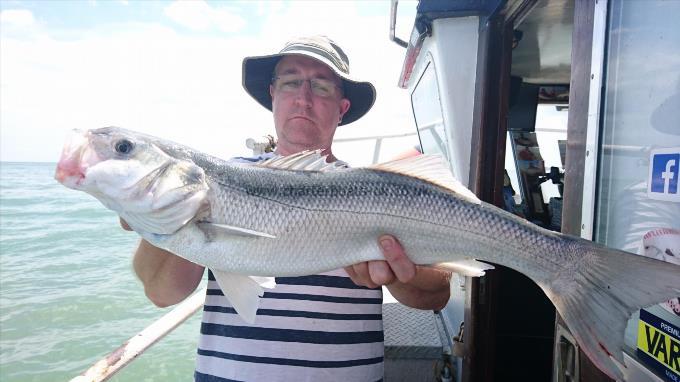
(68, 295)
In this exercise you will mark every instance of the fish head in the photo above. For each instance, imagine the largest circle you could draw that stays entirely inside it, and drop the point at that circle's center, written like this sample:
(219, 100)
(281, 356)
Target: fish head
(153, 191)
(105, 158)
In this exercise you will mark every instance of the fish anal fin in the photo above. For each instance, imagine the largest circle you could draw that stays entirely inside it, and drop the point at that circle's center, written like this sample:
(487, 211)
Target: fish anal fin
(243, 292)
(467, 267)
(430, 168)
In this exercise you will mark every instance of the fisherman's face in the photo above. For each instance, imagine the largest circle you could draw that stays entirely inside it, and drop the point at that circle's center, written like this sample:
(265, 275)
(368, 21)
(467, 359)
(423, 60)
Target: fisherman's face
(305, 118)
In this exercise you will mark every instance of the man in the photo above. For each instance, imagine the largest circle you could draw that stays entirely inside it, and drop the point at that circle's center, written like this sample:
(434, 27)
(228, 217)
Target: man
(320, 327)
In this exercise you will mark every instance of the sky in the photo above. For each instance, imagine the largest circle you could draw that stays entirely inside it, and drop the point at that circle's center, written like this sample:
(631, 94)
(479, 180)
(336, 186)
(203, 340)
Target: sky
(173, 69)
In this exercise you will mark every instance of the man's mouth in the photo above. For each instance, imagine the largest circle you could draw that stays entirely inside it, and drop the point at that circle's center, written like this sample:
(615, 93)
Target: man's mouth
(301, 117)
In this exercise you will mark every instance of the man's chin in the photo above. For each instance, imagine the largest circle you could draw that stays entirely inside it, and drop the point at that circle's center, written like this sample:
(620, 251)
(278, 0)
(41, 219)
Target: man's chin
(302, 129)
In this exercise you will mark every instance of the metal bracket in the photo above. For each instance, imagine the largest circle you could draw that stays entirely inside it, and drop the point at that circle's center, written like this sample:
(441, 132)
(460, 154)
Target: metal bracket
(393, 23)
(458, 349)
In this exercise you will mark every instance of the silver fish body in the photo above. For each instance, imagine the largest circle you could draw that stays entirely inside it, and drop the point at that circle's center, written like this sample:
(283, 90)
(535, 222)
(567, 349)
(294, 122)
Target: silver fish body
(314, 213)
(264, 221)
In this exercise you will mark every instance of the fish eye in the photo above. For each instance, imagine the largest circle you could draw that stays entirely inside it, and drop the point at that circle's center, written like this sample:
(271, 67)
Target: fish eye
(123, 146)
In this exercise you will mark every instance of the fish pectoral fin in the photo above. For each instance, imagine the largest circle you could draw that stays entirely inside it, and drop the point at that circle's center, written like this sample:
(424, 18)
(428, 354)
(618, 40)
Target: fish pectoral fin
(430, 168)
(243, 292)
(233, 230)
(467, 267)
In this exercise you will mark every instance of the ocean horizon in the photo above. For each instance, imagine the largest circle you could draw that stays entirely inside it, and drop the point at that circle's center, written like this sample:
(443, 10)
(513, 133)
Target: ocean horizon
(68, 294)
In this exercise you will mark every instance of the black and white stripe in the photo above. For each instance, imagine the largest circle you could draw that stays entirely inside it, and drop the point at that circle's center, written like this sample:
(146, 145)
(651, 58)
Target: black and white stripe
(320, 327)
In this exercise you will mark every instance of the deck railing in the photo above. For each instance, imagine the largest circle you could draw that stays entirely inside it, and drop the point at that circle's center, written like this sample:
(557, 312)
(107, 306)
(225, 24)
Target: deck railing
(106, 367)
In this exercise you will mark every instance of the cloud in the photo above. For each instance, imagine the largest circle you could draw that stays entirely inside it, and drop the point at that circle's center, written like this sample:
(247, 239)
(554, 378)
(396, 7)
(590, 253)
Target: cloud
(272, 6)
(19, 23)
(185, 87)
(198, 15)
(146, 77)
(17, 17)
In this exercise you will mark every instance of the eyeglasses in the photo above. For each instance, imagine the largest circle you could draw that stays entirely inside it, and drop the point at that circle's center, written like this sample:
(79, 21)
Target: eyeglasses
(291, 83)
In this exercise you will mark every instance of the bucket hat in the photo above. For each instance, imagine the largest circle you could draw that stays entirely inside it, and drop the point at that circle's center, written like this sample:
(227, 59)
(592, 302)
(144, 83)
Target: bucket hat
(258, 71)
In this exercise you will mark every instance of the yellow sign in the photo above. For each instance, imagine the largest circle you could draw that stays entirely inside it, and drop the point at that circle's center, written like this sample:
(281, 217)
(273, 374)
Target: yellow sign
(659, 345)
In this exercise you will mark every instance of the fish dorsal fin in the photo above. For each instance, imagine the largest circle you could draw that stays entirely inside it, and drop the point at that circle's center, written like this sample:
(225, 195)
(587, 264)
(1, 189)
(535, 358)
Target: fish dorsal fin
(430, 168)
(309, 160)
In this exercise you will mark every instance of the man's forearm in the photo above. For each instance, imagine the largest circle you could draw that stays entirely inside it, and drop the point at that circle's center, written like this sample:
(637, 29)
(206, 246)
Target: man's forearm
(167, 278)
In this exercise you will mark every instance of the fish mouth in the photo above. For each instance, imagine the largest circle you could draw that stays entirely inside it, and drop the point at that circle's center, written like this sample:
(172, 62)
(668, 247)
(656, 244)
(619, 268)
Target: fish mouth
(67, 177)
(71, 168)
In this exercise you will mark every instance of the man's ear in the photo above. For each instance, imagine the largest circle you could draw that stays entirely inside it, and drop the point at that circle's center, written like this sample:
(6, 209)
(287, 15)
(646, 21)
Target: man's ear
(344, 106)
(271, 91)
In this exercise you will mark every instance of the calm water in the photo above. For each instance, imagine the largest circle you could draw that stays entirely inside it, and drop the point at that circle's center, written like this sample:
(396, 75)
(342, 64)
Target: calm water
(68, 294)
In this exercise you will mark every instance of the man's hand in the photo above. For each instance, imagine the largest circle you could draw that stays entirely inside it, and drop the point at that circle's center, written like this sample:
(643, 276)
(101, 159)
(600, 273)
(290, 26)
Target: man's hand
(397, 266)
(411, 284)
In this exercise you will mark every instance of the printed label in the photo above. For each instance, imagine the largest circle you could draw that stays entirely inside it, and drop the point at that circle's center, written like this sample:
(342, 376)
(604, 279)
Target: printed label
(659, 345)
(664, 171)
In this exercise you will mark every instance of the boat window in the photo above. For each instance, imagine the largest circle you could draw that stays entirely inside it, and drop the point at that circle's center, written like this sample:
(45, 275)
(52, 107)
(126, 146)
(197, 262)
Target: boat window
(638, 192)
(427, 111)
(534, 163)
(551, 134)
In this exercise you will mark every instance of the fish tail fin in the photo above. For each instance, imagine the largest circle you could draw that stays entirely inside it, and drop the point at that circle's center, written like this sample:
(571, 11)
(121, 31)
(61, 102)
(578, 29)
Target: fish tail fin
(597, 294)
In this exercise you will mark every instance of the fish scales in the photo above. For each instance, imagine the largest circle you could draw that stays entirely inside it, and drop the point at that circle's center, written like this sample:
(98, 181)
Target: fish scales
(386, 202)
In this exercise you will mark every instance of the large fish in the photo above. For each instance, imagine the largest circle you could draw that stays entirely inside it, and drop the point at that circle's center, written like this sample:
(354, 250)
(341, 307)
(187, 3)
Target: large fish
(299, 215)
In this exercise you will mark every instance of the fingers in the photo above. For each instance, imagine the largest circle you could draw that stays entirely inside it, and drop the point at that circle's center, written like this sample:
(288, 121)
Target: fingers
(380, 273)
(397, 266)
(360, 275)
(402, 267)
(124, 225)
(371, 274)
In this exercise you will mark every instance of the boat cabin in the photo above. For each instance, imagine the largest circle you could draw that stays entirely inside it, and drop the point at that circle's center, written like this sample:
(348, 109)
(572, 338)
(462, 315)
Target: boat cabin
(564, 112)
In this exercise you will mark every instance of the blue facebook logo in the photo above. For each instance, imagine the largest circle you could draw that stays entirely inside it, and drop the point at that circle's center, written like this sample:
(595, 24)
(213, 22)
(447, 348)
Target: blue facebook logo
(665, 173)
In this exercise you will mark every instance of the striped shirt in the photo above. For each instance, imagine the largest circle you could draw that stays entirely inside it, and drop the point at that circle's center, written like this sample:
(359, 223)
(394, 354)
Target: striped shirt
(311, 328)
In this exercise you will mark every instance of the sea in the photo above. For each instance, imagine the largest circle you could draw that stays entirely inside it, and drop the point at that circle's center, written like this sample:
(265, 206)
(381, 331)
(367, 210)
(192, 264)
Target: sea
(68, 294)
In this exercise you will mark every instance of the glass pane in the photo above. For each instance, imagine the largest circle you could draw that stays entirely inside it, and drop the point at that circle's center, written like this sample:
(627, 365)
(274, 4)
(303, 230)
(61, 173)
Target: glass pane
(428, 114)
(529, 157)
(640, 135)
(551, 133)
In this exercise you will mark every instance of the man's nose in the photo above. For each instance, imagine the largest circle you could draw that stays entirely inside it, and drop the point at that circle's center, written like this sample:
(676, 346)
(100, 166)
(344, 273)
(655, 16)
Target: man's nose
(304, 95)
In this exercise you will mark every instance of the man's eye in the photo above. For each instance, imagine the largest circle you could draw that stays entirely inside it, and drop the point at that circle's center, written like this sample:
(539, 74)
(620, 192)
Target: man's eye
(292, 84)
(322, 88)
(124, 146)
